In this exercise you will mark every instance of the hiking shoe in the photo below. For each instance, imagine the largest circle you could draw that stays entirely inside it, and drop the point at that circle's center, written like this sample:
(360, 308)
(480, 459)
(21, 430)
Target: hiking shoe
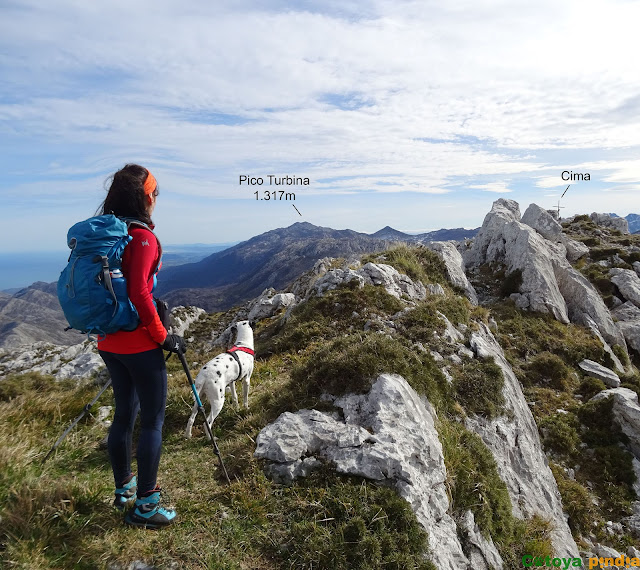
(125, 494)
(148, 514)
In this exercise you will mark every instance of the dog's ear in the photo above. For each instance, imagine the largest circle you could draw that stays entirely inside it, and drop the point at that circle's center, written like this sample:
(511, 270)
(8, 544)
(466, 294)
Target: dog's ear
(252, 324)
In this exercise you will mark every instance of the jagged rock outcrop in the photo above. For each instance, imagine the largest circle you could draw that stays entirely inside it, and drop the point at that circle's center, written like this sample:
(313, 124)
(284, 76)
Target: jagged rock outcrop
(549, 228)
(612, 222)
(628, 316)
(626, 413)
(386, 435)
(79, 361)
(395, 283)
(515, 444)
(595, 370)
(269, 303)
(183, 317)
(549, 283)
(448, 252)
(628, 283)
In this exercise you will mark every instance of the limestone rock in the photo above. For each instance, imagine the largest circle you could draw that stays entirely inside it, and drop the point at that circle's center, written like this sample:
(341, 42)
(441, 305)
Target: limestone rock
(628, 283)
(80, 361)
(607, 221)
(626, 412)
(482, 554)
(549, 283)
(575, 249)
(183, 317)
(628, 316)
(269, 303)
(541, 221)
(636, 267)
(401, 448)
(595, 370)
(452, 259)
(515, 444)
(395, 283)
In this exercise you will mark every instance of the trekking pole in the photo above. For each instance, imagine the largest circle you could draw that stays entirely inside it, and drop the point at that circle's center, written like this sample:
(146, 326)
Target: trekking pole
(207, 427)
(84, 412)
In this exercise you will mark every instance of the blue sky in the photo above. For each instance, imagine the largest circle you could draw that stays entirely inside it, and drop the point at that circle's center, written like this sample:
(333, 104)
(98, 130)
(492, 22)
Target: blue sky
(412, 114)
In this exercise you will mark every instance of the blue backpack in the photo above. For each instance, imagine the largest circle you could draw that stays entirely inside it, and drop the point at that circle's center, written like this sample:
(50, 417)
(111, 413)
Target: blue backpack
(91, 289)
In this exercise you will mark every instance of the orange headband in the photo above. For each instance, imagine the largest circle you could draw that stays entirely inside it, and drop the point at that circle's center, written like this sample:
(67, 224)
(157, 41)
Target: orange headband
(150, 184)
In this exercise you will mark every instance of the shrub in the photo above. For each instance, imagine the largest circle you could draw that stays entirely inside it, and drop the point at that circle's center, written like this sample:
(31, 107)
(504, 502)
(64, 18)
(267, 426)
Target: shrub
(560, 433)
(548, 369)
(478, 387)
(590, 387)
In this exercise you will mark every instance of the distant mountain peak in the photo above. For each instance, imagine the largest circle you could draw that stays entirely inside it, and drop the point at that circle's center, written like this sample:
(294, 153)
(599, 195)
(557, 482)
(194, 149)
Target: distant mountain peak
(388, 232)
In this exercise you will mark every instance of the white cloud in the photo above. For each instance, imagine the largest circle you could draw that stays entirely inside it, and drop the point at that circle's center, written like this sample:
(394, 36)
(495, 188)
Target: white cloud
(376, 96)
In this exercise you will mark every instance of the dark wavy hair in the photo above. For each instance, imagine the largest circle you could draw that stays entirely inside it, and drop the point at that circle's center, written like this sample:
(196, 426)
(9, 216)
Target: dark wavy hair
(125, 197)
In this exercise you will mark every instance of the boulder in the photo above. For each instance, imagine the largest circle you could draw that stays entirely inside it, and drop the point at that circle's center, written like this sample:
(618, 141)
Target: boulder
(387, 435)
(541, 221)
(613, 222)
(269, 303)
(595, 370)
(628, 283)
(448, 252)
(636, 267)
(626, 412)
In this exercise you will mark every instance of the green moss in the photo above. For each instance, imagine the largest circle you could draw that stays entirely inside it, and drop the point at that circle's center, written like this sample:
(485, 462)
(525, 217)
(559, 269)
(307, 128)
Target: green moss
(350, 364)
(478, 387)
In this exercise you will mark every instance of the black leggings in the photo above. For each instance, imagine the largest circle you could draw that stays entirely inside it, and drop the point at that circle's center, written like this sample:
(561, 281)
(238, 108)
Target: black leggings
(139, 384)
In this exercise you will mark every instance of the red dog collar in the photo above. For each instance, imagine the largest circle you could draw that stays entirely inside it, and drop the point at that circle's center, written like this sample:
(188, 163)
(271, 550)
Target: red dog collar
(242, 349)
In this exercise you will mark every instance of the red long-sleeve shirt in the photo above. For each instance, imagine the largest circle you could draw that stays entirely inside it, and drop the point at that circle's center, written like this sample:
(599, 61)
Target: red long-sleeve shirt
(139, 262)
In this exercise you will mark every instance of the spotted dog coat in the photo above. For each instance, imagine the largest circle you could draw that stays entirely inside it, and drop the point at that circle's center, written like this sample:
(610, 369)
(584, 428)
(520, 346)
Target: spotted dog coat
(223, 371)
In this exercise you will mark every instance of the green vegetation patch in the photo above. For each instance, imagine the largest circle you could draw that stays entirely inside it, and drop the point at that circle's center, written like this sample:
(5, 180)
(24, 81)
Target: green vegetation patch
(547, 369)
(351, 363)
(420, 322)
(473, 481)
(346, 523)
(417, 262)
(577, 502)
(560, 432)
(523, 335)
(320, 318)
(478, 387)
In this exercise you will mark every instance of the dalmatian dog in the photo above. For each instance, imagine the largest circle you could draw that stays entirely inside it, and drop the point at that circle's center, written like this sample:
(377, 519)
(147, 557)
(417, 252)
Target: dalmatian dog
(223, 372)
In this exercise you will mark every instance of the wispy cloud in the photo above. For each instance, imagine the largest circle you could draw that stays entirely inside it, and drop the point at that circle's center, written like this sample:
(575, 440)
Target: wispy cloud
(374, 97)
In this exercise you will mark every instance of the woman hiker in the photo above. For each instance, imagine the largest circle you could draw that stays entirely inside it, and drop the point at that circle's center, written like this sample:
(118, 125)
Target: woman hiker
(135, 359)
